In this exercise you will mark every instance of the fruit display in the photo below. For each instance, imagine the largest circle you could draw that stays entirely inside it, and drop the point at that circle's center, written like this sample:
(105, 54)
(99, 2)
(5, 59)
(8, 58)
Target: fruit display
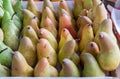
(77, 42)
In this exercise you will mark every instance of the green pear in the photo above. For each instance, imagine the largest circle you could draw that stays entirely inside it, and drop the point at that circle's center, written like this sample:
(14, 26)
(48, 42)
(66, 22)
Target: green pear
(17, 8)
(44, 69)
(44, 49)
(11, 32)
(28, 50)
(1, 13)
(20, 66)
(4, 71)
(91, 67)
(30, 32)
(27, 14)
(86, 36)
(68, 51)
(8, 7)
(87, 4)
(92, 48)
(1, 35)
(50, 26)
(69, 69)
(44, 33)
(33, 8)
(5, 55)
(64, 37)
(78, 6)
(109, 56)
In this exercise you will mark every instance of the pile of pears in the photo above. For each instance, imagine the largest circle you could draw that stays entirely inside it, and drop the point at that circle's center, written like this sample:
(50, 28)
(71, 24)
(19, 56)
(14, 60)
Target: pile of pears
(77, 42)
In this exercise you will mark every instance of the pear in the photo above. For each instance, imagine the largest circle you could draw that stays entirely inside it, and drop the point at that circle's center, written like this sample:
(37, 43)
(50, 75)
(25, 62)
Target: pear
(4, 71)
(17, 8)
(63, 11)
(82, 21)
(27, 49)
(87, 4)
(106, 26)
(50, 26)
(8, 7)
(5, 55)
(68, 51)
(44, 49)
(91, 67)
(48, 3)
(65, 22)
(11, 32)
(78, 6)
(86, 36)
(27, 14)
(44, 69)
(44, 33)
(69, 69)
(64, 37)
(109, 57)
(1, 35)
(92, 48)
(33, 8)
(63, 4)
(20, 66)
(34, 25)
(30, 32)
(102, 12)
(47, 12)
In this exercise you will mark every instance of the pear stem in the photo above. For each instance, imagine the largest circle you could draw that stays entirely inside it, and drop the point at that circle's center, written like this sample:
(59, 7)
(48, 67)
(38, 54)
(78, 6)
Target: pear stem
(13, 15)
(3, 50)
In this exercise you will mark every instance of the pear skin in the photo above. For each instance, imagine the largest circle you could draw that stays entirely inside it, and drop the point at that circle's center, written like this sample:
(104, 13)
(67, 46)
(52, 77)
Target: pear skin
(91, 67)
(83, 12)
(44, 69)
(50, 26)
(102, 12)
(86, 36)
(78, 6)
(48, 13)
(27, 49)
(64, 37)
(30, 32)
(1, 35)
(11, 32)
(69, 69)
(91, 48)
(105, 26)
(63, 4)
(68, 51)
(65, 22)
(20, 66)
(33, 8)
(109, 57)
(44, 33)
(44, 49)
(48, 3)
(4, 71)
(27, 14)
(34, 25)
(88, 4)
